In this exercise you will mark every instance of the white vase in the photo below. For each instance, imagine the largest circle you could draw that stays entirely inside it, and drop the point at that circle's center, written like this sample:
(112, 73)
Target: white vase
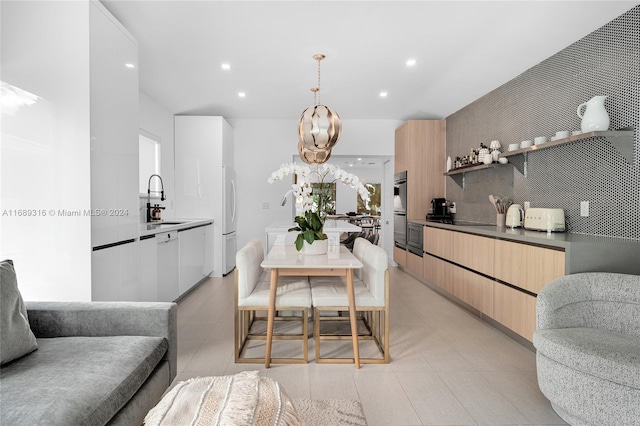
(316, 248)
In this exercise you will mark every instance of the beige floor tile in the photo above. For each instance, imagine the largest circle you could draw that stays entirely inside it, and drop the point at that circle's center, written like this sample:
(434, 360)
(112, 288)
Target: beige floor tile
(432, 400)
(484, 403)
(525, 396)
(384, 401)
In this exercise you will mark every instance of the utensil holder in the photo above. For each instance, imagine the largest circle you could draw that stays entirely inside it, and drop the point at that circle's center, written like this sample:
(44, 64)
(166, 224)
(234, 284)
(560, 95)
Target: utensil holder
(500, 219)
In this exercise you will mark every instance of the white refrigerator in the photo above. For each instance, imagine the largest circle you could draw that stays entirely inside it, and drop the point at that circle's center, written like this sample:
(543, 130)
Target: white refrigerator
(229, 219)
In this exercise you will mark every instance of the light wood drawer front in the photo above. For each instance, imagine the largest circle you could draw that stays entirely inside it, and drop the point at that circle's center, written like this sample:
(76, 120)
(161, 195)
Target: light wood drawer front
(473, 289)
(438, 242)
(528, 267)
(438, 272)
(473, 252)
(400, 256)
(414, 264)
(515, 310)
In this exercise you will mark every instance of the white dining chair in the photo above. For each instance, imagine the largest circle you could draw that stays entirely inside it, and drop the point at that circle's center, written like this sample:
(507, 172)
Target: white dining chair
(372, 303)
(252, 303)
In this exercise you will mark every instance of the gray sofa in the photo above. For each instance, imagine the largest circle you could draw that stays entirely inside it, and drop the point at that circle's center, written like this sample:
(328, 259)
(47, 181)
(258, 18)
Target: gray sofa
(588, 348)
(96, 363)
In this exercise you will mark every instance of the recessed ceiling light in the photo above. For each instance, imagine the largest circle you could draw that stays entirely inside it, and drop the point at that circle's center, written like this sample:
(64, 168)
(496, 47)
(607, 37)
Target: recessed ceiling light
(383, 94)
(129, 65)
(411, 62)
(225, 66)
(359, 159)
(242, 94)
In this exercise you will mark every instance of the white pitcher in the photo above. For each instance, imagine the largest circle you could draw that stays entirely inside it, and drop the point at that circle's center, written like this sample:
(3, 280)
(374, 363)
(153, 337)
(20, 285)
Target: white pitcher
(595, 115)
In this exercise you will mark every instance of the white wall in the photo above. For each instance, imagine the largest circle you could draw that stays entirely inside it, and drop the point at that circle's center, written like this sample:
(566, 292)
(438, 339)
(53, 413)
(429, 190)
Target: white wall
(157, 120)
(261, 146)
(45, 149)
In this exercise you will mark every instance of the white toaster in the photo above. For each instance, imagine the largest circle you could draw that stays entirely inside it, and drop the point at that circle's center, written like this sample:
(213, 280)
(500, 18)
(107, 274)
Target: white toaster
(539, 219)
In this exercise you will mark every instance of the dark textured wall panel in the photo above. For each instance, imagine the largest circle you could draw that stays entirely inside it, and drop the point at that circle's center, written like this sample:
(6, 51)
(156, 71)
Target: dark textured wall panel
(542, 101)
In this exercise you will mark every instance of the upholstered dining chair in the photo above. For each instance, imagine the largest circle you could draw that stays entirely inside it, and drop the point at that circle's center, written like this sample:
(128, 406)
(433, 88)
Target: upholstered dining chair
(252, 303)
(371, 285)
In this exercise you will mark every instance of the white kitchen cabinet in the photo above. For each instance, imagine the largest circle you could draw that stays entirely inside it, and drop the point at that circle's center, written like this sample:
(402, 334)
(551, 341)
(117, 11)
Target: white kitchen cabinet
(115, 273)
(114, 129)
(192, 253)
(149, 269)
(203, 144)
(168, 266)
(207, 266)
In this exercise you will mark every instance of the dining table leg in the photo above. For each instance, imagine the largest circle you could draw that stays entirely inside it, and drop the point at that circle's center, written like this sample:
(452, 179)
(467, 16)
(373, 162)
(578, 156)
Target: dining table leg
(271, 315)
(353, 316)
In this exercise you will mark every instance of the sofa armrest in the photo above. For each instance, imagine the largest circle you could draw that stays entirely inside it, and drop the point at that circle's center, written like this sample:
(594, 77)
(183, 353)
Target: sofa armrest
(594, 299)
(93, 319)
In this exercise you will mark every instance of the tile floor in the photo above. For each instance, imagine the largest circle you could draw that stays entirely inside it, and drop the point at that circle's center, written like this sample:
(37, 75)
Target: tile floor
(447, 366)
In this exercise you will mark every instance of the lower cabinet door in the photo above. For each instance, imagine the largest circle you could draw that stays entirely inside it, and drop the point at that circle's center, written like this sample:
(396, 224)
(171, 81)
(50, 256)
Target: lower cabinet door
(473, 289)
(515, 310)
(149, 270)
(438, 272)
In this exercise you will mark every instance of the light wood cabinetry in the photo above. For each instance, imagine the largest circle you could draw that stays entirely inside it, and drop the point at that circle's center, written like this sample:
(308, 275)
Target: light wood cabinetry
(474, 252)
(414, 264)
(438, 272)
(438, 242)
(473, 289)
(400, 256)
(401, 150)
(526, 266)
(515, 310)
(498, 278)
(419, 149)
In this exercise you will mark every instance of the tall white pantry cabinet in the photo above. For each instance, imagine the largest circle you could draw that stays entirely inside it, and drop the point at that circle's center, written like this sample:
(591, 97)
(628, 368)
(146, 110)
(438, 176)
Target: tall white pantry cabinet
(69, 151)
(203, 145)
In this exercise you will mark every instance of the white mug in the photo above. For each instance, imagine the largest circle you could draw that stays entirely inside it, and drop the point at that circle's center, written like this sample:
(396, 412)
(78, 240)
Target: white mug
(539, 140)
(562, 134)
(513, 146)
(525, 144)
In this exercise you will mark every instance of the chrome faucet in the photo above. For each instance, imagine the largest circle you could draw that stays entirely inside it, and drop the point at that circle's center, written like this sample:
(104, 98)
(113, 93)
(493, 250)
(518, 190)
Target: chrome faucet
(149, 191)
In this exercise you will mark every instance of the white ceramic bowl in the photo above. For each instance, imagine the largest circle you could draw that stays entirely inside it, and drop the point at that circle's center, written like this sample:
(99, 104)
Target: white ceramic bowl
(525, 144)
(503, 160)
(513, 146)
(539, 140)
(562, 134)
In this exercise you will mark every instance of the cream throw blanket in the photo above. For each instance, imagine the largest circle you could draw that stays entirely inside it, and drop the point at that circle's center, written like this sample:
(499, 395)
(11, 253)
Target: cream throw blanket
(241, 399)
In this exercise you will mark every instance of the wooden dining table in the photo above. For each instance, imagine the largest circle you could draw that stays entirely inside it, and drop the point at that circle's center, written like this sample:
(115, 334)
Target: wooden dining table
(285, 260)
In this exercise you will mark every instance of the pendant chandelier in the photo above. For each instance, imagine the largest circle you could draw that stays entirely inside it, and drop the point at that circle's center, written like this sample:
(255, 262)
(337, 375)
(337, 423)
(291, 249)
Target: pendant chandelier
(319, 128)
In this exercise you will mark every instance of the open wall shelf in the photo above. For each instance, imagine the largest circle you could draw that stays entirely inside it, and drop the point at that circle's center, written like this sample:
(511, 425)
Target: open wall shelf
(621, 140)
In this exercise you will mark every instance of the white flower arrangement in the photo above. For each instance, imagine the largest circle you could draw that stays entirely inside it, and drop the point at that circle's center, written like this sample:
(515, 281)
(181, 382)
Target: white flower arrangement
(309, 216)
(305, 177)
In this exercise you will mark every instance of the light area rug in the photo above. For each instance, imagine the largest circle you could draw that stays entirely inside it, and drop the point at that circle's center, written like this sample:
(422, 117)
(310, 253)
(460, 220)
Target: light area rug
(329, 412)
(246, 399)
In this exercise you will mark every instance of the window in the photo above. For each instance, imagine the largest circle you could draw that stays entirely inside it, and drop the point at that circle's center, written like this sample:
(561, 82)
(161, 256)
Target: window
(373, 206)
(324, 194)
(149, 161)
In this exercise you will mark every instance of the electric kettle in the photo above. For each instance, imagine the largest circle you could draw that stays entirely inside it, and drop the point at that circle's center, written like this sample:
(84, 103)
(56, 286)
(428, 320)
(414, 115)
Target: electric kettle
(515, 216)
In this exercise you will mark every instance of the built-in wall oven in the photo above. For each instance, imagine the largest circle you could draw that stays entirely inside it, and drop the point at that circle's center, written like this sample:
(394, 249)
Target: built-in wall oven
(414, 238)
(400, 209)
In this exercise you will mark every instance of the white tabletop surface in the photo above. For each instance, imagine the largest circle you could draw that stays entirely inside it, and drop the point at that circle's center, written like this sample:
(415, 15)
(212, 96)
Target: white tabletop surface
(286, 256)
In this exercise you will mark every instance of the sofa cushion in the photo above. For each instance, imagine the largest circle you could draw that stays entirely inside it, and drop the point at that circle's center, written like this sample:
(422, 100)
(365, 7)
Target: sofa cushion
(604, 354)
(16, 337)
(77, 380)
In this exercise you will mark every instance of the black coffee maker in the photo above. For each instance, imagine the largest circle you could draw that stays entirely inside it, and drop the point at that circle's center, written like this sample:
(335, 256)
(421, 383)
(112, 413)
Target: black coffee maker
(439, 211)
